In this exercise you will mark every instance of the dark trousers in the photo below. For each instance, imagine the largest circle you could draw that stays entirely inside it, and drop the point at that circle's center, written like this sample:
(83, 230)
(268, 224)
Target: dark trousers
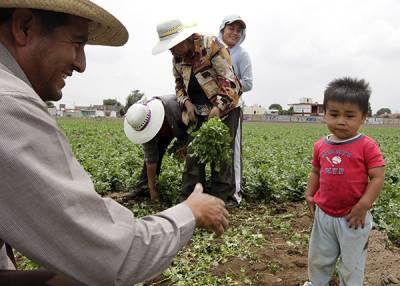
(162, 146)
(40, 277)
(222, 182)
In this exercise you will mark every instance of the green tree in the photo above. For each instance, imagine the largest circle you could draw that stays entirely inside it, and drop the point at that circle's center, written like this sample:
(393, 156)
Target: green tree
(275, 106)
(111, 102)
(132, 98)
(383, 110)
(290, 111)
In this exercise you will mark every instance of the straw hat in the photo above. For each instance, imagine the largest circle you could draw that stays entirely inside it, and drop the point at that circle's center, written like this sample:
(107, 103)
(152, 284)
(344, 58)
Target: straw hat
(144, 120)
(171, 33)
(104, 28)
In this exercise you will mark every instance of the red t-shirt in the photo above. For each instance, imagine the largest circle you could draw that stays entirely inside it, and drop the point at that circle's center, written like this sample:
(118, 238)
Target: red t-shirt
(344, 172)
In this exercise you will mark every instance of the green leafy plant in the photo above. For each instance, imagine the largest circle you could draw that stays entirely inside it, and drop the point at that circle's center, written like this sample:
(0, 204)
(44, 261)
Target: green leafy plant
(211, 143)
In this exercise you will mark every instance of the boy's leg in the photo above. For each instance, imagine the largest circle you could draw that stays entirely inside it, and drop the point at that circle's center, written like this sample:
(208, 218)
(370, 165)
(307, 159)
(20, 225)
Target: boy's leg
(323, 249)
(353, 245)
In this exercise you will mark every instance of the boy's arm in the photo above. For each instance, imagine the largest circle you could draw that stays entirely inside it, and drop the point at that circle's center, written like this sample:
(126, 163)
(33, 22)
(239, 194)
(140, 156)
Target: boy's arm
(312, 187)
(357, 215)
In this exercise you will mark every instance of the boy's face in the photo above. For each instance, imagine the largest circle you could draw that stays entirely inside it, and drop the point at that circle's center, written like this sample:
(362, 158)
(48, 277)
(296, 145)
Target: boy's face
(343, 119)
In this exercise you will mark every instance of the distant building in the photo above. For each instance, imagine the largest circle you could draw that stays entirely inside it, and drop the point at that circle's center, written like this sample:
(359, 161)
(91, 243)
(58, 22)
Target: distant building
(86, 111)
(254, 110)
(72, 113)
(307, 107)
(52, 110)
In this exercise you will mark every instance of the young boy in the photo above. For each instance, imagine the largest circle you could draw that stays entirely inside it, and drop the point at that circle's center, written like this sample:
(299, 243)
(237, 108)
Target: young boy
(347, 176)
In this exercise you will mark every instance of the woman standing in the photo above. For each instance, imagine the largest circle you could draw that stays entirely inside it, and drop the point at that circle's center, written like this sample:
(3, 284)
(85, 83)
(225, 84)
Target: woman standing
(232, 32)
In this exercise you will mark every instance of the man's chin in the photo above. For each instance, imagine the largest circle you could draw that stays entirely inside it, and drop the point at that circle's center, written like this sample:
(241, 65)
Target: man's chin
(58, 96)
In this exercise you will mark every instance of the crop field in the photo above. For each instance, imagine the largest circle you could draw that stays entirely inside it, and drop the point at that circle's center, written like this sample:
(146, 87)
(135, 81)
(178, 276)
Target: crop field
(268, 238)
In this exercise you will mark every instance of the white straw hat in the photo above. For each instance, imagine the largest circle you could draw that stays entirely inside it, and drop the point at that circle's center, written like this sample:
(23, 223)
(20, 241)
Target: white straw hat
(144, 120)
(171, 33)
(104, 28)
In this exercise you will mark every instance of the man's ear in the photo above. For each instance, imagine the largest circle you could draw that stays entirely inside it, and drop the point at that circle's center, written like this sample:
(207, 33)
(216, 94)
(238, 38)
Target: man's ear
(22, 26)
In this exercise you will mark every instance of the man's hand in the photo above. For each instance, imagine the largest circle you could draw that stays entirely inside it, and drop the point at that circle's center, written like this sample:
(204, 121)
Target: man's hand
(181, 153)
(215, 112)
(311, 204)
(357, 216)
(154, 195)
(190, 110)
(209, 211)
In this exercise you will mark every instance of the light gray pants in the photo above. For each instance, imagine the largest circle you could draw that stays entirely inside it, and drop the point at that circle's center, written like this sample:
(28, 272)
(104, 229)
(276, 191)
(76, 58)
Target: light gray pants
(331, 238)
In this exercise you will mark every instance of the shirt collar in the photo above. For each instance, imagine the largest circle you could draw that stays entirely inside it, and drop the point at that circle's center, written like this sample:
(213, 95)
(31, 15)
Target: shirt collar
(9, 63)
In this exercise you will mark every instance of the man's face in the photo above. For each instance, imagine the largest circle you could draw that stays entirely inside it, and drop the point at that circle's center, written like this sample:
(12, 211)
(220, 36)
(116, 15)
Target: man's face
(55, 56)
(181, 49)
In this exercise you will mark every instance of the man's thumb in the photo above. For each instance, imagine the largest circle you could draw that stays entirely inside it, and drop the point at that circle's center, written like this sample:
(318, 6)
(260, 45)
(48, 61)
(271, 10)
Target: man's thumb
(198, 189)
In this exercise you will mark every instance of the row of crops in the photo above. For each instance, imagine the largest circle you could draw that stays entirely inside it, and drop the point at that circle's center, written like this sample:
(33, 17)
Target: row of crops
(276, 162)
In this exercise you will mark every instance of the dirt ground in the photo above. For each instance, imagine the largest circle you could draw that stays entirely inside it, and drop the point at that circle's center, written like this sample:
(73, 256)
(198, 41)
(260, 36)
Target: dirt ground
(282, 264)
(383, 264)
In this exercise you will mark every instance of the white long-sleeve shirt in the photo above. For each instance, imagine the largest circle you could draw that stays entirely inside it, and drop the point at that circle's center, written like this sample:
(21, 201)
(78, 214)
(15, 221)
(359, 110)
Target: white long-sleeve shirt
(50, 211)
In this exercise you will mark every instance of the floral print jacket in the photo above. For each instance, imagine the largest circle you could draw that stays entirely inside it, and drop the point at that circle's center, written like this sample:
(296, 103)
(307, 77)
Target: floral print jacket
(211, 65)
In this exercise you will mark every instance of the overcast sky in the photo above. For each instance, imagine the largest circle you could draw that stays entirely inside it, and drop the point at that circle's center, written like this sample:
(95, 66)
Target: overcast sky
(296, 48)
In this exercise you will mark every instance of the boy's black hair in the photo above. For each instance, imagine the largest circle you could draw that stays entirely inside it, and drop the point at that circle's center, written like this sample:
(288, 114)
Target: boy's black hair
(49, 19)
(350, 90)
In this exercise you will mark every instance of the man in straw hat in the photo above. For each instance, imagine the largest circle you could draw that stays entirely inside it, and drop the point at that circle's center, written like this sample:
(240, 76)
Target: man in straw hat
(206, 87)
(48, 207)
(153, 123)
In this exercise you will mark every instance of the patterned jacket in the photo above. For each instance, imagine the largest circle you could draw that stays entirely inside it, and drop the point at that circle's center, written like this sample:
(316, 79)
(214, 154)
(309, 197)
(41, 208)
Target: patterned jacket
(212, 66)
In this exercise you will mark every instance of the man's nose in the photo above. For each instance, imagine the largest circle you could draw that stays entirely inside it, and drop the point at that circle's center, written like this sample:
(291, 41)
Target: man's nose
(80, 61)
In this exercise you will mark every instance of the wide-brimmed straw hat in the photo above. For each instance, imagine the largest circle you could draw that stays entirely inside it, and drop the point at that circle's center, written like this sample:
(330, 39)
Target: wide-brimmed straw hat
(171, 33)
(144, 120)
(104, 28)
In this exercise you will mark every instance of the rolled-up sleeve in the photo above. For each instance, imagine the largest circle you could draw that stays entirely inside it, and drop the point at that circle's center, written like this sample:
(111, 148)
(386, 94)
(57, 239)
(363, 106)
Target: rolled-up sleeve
(51, 213)
(151, 152)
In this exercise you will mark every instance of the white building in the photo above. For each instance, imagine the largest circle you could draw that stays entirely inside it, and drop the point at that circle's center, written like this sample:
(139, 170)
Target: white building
(307, 107)
(254, 110)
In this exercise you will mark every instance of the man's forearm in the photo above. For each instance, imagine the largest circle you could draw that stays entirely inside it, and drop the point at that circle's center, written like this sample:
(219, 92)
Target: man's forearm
(151, 175)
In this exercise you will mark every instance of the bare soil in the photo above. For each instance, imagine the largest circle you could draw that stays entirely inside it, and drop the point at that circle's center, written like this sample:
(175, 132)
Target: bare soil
(282, 264)
(383, 264)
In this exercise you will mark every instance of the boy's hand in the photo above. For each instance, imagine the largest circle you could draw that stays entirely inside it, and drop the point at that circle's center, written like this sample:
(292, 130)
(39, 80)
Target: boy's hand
(311, 204)
(154, 195)
(356, 218)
